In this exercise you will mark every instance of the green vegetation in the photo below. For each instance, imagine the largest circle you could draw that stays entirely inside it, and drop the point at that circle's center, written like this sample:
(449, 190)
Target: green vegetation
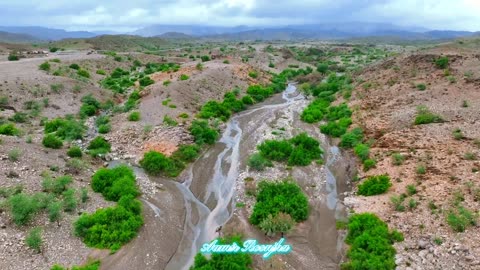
(13, 57)
(155, 163)
(461, 218)
(65, 128)
(369, 164)
(114, 226)
(14, 154)
(374, 185)
(74, 151)
(19, 117)
(203, 133)
(237, 261)
(253, 74)
(301, 150)
(101, 72)
(442, 62)
(397, 159)
(94, 265)
(52, 141)
(424, 116)
(74, 66)
(258, 162)
(57, 185)
(45, 66)
(370, 243)
(280, 197)
(146, 81)
(167, 120)
(184, 77)
(83, 73)
(352, 138)
(281, 223)
(134, 116)
(205, 58)
(421, 86)
(9, 129)
(362, 151)
(187, 153)
(34, 239)
(322, 68)
(99, 146)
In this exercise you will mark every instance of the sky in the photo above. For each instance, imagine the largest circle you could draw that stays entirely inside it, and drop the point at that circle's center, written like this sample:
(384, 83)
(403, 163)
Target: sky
(128, 15)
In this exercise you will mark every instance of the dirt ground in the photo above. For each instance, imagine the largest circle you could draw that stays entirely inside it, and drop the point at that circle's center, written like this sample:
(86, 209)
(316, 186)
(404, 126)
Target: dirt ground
(385, 102)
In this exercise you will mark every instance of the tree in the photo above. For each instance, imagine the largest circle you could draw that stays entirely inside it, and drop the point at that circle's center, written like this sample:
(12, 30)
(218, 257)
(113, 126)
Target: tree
(322, 68)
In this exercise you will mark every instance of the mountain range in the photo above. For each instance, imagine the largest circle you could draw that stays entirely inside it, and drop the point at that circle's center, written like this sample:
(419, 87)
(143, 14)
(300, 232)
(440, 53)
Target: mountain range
(290, 32)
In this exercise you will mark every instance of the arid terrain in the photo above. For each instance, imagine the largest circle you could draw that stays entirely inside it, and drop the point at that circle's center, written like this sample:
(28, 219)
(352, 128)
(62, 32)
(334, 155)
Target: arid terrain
(435, 165)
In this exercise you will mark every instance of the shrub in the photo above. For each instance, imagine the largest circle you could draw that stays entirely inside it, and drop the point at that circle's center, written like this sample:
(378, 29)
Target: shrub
(155, 163)
(74, 66)
(167, 82)
(205, 58)
(281, 223)
(167, 120)
(111, 227)
(23, 208)
(74, 151)
(273, 198)
(253, 74)
(67, 129)
(397, 202)
(87, 110)
(83, 73)
(134, 116)
(247, 100)
(45, 66)
(184, 77)
(146, 81)
(369, 164)
(9, 130)
(322, 68)
(52, 141)
(421, 169)
(103, 129)
(101, 72)
(226, 62)
(258, 162)
(99, 146)
(202, 132)
(459, 219)
(424, 116)
(115, 183)
(54, 209)
(276, 150)
(458, 134)
(374, 185)
(421, 86)
(14, 154)
(187, 153)
(352, 138)
(441, 62)
(69, 200)
(240, 261)
(214, 109)
(13, 57)
(370, 243)
(411, 190)
(94, 265)
(271, 65)
(259, 93)
(57, 185)
(397, 159)
(362, 151)
(19, 117)
(34, 239)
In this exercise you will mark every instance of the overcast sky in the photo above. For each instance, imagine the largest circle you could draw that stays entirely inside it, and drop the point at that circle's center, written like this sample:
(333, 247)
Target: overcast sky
(126, 15)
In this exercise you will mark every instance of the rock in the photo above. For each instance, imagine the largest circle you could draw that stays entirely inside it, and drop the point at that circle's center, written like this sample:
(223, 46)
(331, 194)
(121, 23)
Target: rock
(470, 258)
(423, 253)
(422, 244)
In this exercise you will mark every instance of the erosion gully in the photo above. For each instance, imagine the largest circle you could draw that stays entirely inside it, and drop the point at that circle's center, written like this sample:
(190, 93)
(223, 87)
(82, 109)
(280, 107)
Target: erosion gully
(207, 189)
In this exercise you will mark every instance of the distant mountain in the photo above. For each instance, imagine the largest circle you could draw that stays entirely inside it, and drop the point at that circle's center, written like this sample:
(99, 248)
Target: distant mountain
(193, 30)
(16, 38)
(175, 35)
(44, 33)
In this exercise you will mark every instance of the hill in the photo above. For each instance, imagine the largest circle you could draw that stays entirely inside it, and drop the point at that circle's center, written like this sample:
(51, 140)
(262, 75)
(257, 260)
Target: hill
(44, 33)
(16, 38)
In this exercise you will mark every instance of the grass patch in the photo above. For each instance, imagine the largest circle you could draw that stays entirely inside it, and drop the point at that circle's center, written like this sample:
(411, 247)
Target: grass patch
(374, 185)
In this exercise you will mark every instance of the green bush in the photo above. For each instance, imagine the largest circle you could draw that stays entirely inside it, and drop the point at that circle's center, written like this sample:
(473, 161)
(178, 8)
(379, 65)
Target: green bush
(45, 66)
(101, 72)
(374, 185)
(184, 77)
(273, 198)
(74, 66)
(74, 151)
(103, 129)
(369, 164)
(19, 117)
(115, 183)
(424, 116)
(69, 200)
(352, 138)
(155, 163)
(259, 93)
(57, 185)
(146, 81)
(167, 120)
(99, 146)
(258, 162)
(459, 219)
(421, 86)
(281, 223)
(23, 208)
(315, 111)
(336, 128)
(134, 116)
(111, 227)
(83, 73)
(65, 128)
(205, 58)
(87, 110)
(237, 261)
(52, 141)
(203, 133)
(34, 239)
(247, 100)
(397, 159)
(187, 153)
(370, 243)
(9, 130)
(322, 68)
(54, 209)
(13, 57)
(441, 62)
(253, 74)
(94, 265)
(362, 151)
(276, 150)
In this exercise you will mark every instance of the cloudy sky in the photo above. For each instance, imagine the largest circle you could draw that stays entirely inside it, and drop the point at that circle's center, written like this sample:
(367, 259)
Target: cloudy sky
(127, 15)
